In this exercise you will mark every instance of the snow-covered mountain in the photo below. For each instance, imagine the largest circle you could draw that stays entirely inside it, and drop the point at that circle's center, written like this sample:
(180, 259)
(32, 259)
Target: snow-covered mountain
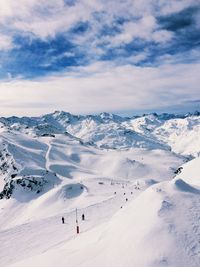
(159, 228)
(181, 133)
(131, 177)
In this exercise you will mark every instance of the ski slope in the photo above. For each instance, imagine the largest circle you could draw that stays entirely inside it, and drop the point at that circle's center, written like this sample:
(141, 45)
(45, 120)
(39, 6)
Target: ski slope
(160, 227)
(119, 172)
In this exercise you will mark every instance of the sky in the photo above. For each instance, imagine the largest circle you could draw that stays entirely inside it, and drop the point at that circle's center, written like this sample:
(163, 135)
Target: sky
(89, 56)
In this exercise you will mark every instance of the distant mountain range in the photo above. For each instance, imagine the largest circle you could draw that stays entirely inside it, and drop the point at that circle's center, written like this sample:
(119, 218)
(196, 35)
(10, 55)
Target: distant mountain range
(179, 133)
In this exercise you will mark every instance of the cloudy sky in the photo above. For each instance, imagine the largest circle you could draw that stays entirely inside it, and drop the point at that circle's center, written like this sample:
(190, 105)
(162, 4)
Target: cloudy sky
(90, 56)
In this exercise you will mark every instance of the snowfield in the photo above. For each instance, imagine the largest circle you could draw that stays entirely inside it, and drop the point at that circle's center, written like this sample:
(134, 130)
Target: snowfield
(135, 179)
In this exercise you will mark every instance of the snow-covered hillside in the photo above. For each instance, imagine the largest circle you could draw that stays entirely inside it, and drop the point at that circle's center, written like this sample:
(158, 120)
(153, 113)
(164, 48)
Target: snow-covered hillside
(158, 228)
(129, 176)
(181, 134)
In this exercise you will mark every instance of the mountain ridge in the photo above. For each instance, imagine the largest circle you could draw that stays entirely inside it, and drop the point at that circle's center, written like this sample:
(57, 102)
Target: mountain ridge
(111, 131)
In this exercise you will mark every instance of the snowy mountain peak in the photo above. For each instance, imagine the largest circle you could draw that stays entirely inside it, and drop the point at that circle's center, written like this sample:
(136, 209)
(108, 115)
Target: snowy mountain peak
(108, 130)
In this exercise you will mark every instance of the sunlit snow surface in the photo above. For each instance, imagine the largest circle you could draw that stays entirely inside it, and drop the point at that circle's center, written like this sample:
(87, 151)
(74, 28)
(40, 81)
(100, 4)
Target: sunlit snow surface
(119, 172)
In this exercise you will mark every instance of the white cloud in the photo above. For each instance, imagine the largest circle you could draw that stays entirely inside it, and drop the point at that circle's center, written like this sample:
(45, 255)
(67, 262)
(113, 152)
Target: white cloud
(138, 57)
(141, 28)
(5, 42)
(162, 36)
(103, 87)
(46, 18)
(43, 18)
(146, 29)
(171, 6)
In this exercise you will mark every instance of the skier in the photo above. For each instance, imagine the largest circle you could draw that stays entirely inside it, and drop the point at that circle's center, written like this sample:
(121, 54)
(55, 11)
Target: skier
(63, 220)
(83, 217)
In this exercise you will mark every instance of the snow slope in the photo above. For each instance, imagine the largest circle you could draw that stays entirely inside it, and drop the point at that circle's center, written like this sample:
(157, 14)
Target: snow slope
(182, 135)
(47, 167)
(190, 172)
(119, 172)
(165, 131)
(158, 228)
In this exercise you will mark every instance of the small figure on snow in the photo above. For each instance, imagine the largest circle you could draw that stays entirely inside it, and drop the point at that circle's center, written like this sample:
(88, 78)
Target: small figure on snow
(83, 217)
(63, 220)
